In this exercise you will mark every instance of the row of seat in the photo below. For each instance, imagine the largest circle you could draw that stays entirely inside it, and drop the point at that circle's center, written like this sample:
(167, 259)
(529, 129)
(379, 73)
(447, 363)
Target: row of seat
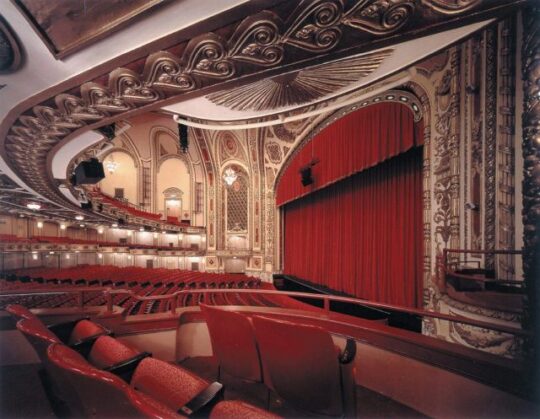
(140, 281)
(94, 374)
(10, 238)
(299, 362)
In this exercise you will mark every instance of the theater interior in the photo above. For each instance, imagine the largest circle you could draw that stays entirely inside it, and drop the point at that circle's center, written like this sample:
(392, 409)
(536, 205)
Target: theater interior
(269, 208)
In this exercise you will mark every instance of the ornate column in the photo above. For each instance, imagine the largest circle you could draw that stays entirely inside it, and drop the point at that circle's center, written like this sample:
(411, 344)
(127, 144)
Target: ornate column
(531, 176)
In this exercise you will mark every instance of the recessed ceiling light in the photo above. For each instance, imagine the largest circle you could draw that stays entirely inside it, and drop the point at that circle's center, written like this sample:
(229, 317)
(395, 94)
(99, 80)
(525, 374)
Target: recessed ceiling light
(33, 206)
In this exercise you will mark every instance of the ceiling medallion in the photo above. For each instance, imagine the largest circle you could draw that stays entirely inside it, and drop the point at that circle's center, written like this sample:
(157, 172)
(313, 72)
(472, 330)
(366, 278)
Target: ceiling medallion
(300, 87)
(10, 51)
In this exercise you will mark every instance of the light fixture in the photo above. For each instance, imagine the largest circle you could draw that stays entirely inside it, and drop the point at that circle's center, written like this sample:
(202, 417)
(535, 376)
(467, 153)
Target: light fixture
(62, 226)
(114, 225)
(67, 256)
(230, 176)
(33, 206)
(81, 225)
(163, 232)
(155, 235)
(40, 224)
(129, 232)
(34, 256)
(111, 165)
(100, 230)
(129, 257)
(141, 229)
(51, 253)
(79, 217)
(99, 256)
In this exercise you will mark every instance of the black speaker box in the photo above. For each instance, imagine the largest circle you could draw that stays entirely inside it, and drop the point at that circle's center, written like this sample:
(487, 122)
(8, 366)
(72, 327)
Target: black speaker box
(306, 177)
(89, 172)
(86, 205)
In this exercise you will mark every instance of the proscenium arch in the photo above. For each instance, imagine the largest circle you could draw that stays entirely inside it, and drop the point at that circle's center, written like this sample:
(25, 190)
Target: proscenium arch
(416, 95)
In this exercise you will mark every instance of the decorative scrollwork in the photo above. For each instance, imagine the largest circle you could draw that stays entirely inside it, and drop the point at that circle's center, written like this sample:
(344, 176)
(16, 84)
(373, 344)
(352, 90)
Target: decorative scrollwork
(208, 57)
(380, 17)
(126, 84)
(451, 6)
(98, 97)
(256, 40)
(163, 71)
(316, 28)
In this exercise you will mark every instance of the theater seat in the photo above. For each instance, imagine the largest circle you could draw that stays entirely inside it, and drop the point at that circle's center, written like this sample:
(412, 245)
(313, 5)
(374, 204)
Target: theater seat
(169, 384)
(38, 335)
(236, 409)
(301, 364)
(18, 312)
(233, 343)
(107, 351)
(85, 329)
(87, 391)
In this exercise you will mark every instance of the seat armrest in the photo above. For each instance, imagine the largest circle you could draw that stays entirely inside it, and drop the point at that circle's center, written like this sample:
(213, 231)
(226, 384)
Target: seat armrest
(348, 354)
(84, 346)
(63, 330)
(203, 402)
(125, 369)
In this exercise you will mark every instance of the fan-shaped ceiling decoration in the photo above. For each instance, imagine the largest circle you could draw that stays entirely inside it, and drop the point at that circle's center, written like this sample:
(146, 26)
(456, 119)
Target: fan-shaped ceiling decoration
(302, 86)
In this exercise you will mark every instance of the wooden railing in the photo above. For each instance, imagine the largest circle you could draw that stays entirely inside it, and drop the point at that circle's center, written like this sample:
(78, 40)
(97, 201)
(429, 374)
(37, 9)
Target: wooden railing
(174, 298)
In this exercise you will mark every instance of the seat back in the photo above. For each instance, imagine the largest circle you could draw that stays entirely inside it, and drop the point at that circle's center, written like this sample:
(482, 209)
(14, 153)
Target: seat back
(169, 384)
(107, 351)
(301, 363)
(18, 312)
(37, 335)
(85, 329)
(237, 409)
(86, 390)
(233, 343)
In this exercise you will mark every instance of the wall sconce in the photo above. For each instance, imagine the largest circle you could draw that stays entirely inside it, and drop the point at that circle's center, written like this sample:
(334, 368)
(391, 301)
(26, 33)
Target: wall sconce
(62, 226)
(40, 224)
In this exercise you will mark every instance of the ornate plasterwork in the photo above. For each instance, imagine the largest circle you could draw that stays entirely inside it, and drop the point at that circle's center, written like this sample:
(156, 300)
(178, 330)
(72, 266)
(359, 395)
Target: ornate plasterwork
(451, 6)
(531, 172)
(490, 143)
(301, 86)
(262, 40)
(506, 155)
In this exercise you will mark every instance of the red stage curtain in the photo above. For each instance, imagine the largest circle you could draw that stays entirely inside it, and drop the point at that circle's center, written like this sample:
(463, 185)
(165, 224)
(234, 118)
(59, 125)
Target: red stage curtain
(359, 140)
(362, 235)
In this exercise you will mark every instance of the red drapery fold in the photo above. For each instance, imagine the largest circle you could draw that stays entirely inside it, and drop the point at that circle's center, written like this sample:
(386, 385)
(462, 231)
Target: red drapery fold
(359, 140)
(362, 235)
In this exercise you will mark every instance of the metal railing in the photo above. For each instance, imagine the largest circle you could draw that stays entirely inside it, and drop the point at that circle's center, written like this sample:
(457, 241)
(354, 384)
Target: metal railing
(174, 299)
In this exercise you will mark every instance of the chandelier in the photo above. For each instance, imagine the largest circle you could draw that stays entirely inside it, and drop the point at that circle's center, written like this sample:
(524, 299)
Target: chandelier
(229, 176)
(111, 165)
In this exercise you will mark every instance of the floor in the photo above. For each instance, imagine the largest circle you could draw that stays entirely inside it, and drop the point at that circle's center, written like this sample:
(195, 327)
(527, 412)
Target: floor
(369, 403)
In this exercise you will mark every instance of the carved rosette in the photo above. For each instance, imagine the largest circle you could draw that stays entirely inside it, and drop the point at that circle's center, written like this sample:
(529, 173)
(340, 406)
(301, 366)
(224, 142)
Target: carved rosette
(531, 173)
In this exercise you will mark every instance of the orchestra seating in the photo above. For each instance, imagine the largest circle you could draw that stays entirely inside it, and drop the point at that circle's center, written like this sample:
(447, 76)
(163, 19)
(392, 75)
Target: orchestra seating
(102, 377)
(55, 288)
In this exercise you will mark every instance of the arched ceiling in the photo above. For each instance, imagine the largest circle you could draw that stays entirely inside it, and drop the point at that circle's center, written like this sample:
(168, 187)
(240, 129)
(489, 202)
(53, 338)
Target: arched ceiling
(181, 50)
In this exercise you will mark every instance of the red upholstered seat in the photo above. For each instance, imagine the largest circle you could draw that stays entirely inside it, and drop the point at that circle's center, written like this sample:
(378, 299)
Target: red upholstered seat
(85, 329)
(169, 384)
(107, 351)
(301, 365)
(233, 343)
(18, 312)
(87, 391)
(236, 409)
(149, 407)
(37, 335)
